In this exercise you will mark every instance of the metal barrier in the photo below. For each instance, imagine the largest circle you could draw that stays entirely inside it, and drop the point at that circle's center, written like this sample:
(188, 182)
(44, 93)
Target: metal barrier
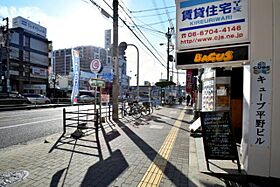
(82, 121)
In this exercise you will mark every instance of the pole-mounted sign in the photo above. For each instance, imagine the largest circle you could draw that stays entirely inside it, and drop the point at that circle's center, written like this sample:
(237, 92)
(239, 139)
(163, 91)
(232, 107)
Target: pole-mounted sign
(93, 82)
(95, 66)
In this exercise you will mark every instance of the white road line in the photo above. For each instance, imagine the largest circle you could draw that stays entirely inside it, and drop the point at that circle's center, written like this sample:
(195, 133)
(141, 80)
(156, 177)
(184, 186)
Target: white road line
(23, 124)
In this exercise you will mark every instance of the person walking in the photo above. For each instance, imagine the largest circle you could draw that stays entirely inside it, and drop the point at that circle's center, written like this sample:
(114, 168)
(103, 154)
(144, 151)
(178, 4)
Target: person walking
(188, 99)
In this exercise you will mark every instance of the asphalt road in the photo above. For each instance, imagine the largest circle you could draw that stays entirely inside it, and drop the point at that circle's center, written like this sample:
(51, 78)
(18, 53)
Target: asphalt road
(20, 126)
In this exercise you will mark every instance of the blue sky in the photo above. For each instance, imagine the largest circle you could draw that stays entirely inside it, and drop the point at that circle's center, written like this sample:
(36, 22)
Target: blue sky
(78, 22)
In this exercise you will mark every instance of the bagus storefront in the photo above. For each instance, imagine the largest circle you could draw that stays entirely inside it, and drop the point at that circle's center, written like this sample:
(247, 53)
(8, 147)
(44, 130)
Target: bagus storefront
(234, 46)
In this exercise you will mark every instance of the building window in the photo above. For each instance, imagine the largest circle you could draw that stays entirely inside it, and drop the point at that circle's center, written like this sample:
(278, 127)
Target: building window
(14, 53)
(56, 53)
(26, 56)
(68, 52)
(27, 41)
(108, 60)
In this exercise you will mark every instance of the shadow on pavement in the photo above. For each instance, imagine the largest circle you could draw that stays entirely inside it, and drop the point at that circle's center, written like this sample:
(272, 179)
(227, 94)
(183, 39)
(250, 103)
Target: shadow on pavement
(245, 180)
(106, 171)
(161, 121)
(101, 173)
(57, 176)
(184, 121)
(172, 172)
(68, 143)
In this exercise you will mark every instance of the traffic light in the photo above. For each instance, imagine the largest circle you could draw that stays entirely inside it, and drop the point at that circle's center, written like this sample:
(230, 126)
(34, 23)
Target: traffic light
(122, 48)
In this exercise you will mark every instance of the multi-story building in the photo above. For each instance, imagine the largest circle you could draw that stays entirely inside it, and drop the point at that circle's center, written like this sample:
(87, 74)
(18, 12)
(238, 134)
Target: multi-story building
(27, 59)
(62, 64)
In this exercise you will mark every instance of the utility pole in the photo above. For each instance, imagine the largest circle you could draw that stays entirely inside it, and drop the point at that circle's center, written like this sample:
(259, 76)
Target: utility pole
(7, 53)
(168, 36)
(115, 90)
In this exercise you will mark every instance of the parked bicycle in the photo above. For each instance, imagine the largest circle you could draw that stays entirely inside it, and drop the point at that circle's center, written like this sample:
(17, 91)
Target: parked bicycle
(147, 108)
(133, 109)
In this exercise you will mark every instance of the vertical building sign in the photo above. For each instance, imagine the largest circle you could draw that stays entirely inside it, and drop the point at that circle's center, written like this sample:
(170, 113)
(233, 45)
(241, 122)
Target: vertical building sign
(189, 83)
(108, 37)
(261, 102)
(211, 22)
(76, 76)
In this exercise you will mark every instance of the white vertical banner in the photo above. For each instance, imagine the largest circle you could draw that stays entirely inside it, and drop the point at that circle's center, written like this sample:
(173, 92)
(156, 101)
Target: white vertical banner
(261, 79)
(76, 76)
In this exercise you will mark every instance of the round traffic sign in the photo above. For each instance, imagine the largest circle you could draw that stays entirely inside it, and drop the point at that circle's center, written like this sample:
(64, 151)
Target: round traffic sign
(95, 66)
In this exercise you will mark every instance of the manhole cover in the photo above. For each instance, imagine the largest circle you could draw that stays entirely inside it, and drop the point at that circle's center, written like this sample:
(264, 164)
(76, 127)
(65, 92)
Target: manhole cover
(12, 177)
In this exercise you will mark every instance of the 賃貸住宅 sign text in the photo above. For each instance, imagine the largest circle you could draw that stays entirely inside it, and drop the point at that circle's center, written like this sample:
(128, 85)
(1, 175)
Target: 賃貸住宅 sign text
(213, 57)
(202, 23)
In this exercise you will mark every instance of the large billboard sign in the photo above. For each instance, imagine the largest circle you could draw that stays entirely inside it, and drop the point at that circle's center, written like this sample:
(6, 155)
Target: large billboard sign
(203, 23)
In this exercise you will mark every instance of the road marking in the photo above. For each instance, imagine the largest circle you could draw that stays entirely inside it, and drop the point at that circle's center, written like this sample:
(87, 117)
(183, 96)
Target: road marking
(23, 124)
(154, 173)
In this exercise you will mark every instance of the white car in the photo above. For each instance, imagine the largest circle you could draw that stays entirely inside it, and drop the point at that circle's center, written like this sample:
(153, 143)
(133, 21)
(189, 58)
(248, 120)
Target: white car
(86, 99)
(37, 99)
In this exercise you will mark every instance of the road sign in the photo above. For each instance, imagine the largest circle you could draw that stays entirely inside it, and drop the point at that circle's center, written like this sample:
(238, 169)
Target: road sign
(93, 82)
(95, 66)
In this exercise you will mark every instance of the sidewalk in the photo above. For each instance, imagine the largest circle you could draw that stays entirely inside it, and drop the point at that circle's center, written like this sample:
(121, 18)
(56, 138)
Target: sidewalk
(158, 148)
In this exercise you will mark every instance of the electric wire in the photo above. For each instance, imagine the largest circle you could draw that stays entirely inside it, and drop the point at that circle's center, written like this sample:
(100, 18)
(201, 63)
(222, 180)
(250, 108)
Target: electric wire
(141, 32)
(153, 15)
(167, 13)
(159, 16)
(149, 10)
(137, 36)
(156, 23)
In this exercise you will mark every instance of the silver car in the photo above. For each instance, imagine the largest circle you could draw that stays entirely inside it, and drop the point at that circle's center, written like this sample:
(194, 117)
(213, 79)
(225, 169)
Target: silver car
(37, 99)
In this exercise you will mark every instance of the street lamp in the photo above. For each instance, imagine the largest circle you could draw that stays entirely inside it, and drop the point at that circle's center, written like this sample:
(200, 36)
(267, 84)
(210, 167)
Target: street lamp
(123, 46)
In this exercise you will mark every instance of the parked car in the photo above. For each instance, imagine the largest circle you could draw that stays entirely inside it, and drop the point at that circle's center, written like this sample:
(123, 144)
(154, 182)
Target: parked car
(86, 99)
(13, 98)
(37, 99)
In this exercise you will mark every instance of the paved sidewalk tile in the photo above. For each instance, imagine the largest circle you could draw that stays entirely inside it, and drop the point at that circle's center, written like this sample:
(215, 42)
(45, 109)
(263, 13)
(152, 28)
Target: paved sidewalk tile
(119, 156)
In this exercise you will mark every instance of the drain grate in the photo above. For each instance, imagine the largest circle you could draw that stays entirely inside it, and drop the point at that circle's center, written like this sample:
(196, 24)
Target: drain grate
(12, 177)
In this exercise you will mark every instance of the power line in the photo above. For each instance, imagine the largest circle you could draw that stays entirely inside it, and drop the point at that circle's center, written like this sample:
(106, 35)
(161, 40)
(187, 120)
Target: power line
(153, 15)
(140, 31)
(148, 10)
(160, 18)
(156, 23)
(166, 10)
(154, 30)
(138, 36)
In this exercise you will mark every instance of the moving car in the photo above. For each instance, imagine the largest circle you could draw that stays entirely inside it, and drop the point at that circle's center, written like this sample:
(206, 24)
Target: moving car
(37, 99)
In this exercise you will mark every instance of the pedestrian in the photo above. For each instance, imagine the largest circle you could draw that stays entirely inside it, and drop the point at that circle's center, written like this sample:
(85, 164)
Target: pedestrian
(188, 99)
(180, 100)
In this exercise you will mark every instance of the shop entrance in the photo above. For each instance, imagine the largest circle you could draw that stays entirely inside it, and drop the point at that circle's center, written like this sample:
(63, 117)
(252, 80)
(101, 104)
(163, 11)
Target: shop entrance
(235, 97)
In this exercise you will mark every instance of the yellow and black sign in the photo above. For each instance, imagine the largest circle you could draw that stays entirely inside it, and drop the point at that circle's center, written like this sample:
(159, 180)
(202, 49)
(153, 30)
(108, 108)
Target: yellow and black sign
(218, 55)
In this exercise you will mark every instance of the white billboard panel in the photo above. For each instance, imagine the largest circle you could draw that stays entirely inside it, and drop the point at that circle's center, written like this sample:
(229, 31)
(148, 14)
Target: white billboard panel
(202, 23)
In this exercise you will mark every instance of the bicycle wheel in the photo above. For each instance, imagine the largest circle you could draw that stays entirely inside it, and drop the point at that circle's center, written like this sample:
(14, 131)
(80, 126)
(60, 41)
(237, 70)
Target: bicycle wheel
(136, 112)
